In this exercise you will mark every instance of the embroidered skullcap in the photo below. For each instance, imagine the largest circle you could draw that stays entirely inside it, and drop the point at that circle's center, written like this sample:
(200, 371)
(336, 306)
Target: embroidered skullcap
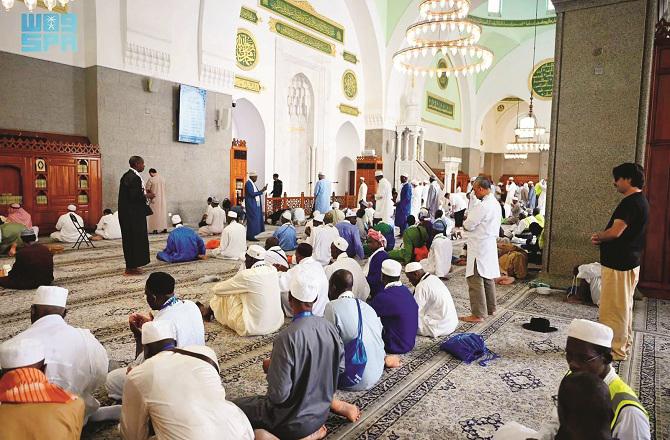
(160, 283)
(391, 268)
(377, 236)
(256, 252)
(413, 267)
(176, 219)
(591, 332)
(379, 173)
(232, 214)
(286, 215)
(157, 330)
(17, 353)
(341, 244)
(318, 217)
(304, 285)
(50, 296)
(71, 208)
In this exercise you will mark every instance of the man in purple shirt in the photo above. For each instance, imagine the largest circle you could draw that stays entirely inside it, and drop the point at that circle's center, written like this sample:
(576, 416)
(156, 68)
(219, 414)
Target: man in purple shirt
(349, 231)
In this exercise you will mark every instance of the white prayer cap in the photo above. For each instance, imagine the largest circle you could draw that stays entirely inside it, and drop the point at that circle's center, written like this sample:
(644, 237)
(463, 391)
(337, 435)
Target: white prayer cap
(413, 267)
(286, 215)
(50, 296)
(318, 216)
(157, 330)
(305, 286)
(391, 268)
(515, 198)
(377, 214)
(530, 182)
(71, 208)
(215, 200)
(15, 205)
(321, 174)
(511, 178)
(335, 205)
(362, 178)
(379, 173)
(256, 252)
(350, 213)
(232, 214)
(176, 219)
(253, 173)
(341, 244)
(590, 331)
(404, 175)
(21, 352)
(415, 182)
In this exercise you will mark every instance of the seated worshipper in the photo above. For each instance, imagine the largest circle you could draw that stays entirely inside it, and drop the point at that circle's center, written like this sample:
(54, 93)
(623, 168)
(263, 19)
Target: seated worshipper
(31, 406)
(66, 231)
(441, 225)
(203, 220)
(316, 220)
(299, 216)
(413, 243)
(515, 210)
(348, 315)
(305, 263)
(165, 305)
(349, 231)
(10, 237)
(370, 215)
(216, 220)
(361, 224)
(521, 228)
(275, 255)
(535, 243)
(397, 309)
(338, 214)
(513, 262)
(75, 360)
(341, 260)
(298, 400)
(373, 267)
(241, 213)
(286, 233)
(233, 240)
(177, 393)
(386, 230)
(183, 244)
(439, 258)
(16, 214)
(249, 302)
(588, 290)
(321, 239)
(437, 313)
(589, 350)
(108, 228)
(427, 223)
(33, 267)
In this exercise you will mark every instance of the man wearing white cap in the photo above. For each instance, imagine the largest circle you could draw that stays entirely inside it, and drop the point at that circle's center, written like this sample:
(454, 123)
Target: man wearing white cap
(65, 229)
(108, 228)
(588, 349)
(510, 189)
(193, 407)
(275, 255)
(439, 257)
(316, 220)
(322, 237)
(397, 309)
(338, 214)
(305, 264)
(215, 221)
(433, 200)
(383, 197)
(322, 193)
(404, 205)
(233, 243)
(341, 260)
(298, 401)
(50, 413)
(437, 314)
(253, 203)
(417, 191)
(75, 360)
(424, 193)
(362, 198)
(349, 231)
(249, 302)
(286, 233)
(183, 244)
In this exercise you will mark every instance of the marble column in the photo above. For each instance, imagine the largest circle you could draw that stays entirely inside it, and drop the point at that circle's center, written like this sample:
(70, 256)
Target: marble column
(599, 114)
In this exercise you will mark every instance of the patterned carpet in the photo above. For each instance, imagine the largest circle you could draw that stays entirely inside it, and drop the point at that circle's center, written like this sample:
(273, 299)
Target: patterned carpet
(432, 395)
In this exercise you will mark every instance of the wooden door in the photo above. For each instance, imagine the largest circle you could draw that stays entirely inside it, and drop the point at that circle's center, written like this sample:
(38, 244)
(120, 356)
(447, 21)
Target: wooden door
(351, 184)
(655, 274)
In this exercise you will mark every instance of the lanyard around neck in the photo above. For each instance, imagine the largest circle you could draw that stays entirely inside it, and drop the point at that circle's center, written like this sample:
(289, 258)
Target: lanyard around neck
(304, 314)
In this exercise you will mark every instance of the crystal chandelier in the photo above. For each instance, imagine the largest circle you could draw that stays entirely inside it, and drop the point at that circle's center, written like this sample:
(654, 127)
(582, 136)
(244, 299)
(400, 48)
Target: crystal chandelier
(31, 4)
(511, 156)
(444, 29)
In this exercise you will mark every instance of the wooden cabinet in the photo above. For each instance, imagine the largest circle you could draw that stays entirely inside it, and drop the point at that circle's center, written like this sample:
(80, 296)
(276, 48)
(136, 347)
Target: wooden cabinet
(238, 170)
(47, 172)
(366, 167)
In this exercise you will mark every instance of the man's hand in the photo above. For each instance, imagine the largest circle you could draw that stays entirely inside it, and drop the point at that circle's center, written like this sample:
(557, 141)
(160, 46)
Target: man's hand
(202, 257)
(280, 268)
(136, 321)
(265, 188)
(595, 239)
(266, 365)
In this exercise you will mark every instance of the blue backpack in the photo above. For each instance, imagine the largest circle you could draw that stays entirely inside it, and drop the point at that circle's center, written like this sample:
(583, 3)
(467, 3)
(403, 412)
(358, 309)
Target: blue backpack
(468, 347)
(355, 357)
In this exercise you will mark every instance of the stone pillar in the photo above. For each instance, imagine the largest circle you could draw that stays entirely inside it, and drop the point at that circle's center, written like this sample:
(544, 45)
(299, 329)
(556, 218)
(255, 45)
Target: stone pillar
(422, 146)
(405, 143)
(451, 165)
(412, 146)
(599, 113)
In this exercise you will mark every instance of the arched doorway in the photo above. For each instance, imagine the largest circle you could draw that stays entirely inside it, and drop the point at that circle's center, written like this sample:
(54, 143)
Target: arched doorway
(248, 125)
(347, 147)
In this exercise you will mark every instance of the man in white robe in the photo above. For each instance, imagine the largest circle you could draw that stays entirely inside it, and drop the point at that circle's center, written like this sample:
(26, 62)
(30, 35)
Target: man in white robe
(511, 190)
(215, 221)
(108, 228)
(433, 201)
(65, 229)
(275, 255)
(249, 302)
(542, 197)
(417, 192)
(341, 260)
(338, 214)
(155, 187)
(233, 240)
(437, 313)
(362, 199)
(424, 193)
(75, 360)
(439, 258)
(305, 264)
(383, 197)
(321, 239)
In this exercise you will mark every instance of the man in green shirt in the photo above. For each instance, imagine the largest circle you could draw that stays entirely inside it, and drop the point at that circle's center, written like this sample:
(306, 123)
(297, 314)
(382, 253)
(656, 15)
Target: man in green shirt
(414, 237)
(10, 237)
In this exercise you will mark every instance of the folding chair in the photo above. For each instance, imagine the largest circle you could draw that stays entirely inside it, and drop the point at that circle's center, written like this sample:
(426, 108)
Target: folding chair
(83, 236)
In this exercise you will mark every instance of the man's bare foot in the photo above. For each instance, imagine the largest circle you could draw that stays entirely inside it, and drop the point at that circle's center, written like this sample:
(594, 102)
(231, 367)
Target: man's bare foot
(96, 238)
(391, 361)
(492, 313)
(134, 271)
(318, 435)
(504, 280)
(345, 409)
(262, 434)
(471, 318)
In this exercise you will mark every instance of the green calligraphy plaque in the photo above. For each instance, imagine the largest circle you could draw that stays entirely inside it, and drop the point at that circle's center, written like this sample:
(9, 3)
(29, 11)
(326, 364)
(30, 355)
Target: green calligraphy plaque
(542, 79)
(249, 15)
(302, 13)
(439, 106)
(299, 36)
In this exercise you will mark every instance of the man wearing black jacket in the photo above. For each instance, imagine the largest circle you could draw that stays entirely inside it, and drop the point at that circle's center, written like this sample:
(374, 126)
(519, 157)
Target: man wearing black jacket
(133, 211)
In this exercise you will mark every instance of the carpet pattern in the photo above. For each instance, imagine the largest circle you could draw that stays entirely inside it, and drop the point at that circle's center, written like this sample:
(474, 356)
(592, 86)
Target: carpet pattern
(431, 396)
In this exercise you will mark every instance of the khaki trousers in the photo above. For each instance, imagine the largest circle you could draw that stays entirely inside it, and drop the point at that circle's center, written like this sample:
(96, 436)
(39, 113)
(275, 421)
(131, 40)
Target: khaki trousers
(616, 307)
(482, 294)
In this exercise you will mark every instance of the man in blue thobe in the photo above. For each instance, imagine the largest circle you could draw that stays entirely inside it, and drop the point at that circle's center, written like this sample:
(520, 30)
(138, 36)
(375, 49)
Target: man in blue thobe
(254, 207)
(322, 194)
(349, 231)
(404, 205)
(286, 233)
(397, 310)
(183, 244)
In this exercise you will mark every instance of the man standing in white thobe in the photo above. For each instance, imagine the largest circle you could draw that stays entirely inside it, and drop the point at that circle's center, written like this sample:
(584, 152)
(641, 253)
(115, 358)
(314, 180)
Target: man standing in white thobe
(322, 237)
(249, 302)
(306, 264)
(424, 193)
(65, 229)
(482, 268)
(511, 190)
(383, 197)
(433, 201)
(215, 221)
(362, 199)
(233, 240)
(417, 192)
(341, 260)
(437, 313)
(542, 196)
